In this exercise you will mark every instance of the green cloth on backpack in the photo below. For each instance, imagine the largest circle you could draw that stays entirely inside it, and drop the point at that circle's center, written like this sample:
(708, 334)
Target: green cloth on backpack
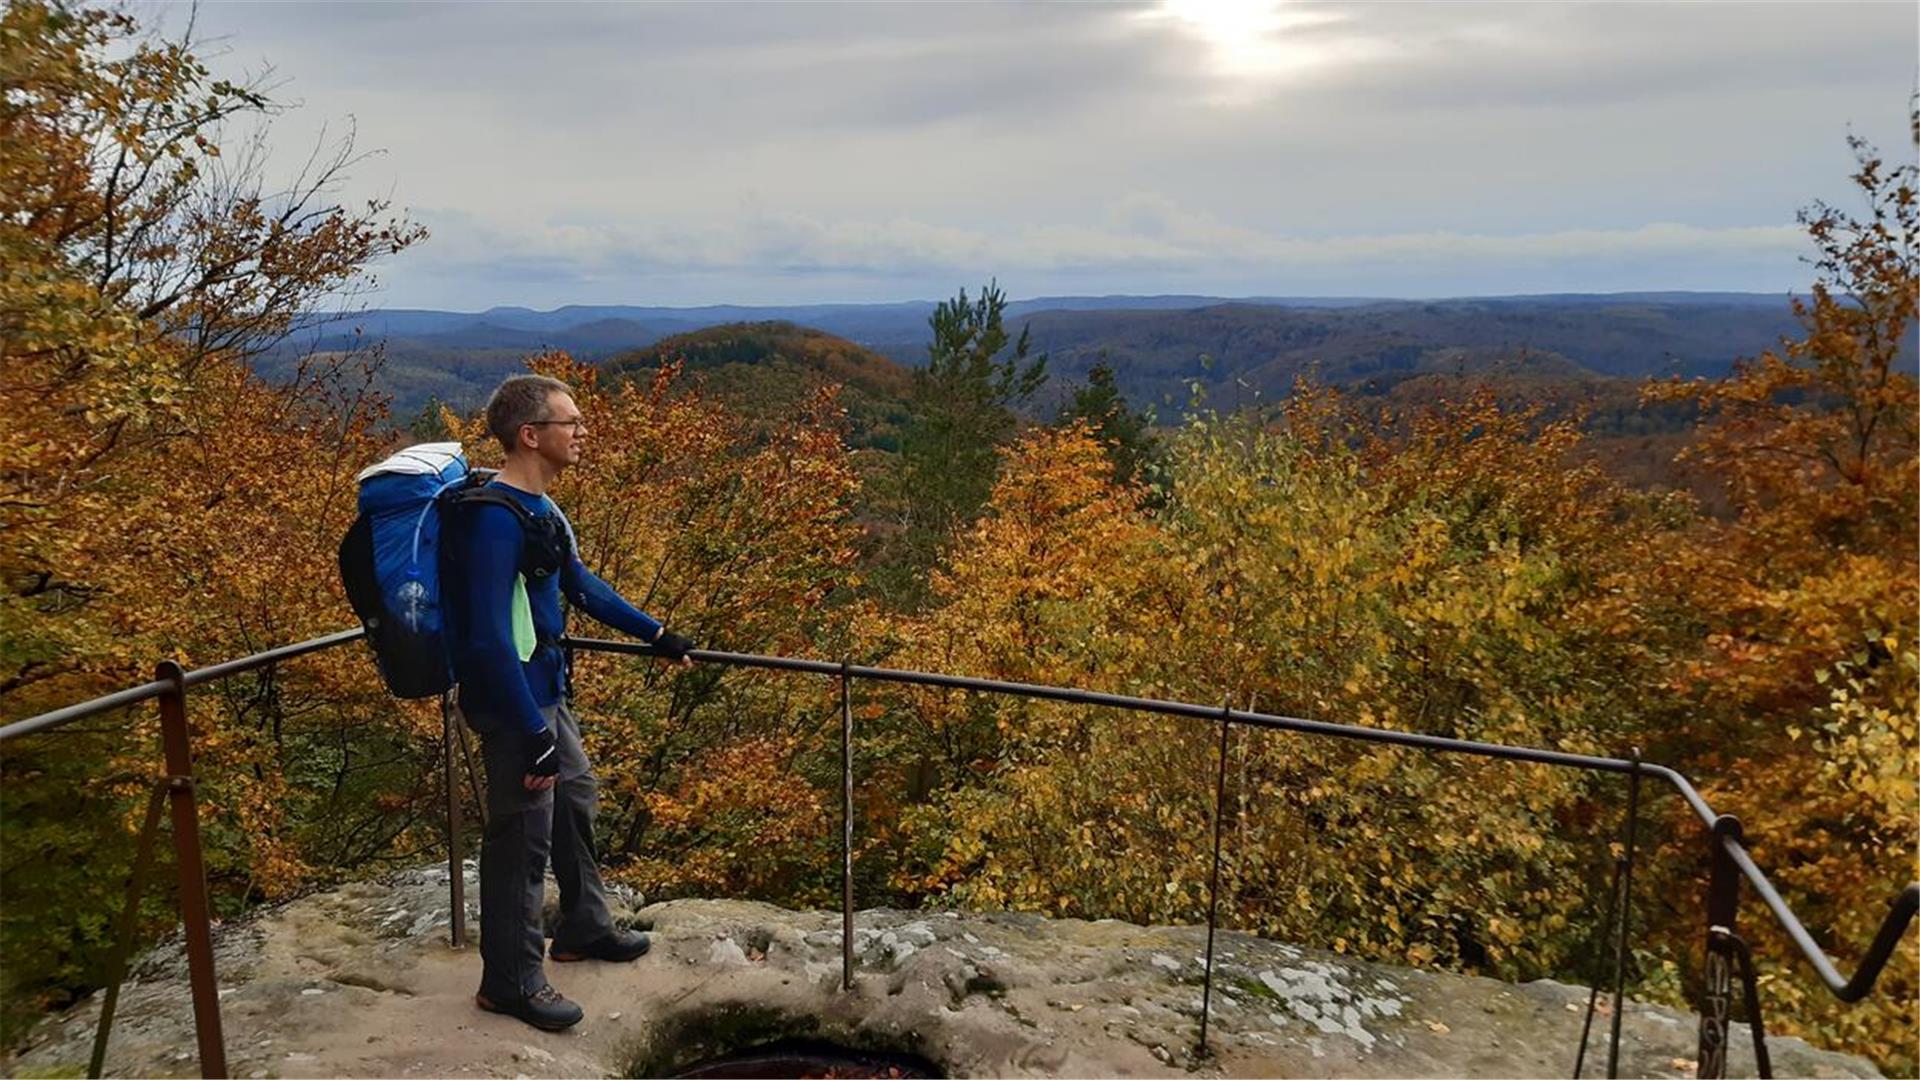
(524, 641)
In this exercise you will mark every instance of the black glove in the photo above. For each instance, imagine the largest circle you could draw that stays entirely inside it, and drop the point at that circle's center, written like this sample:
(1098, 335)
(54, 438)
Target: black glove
(671, 645)
(542, 756)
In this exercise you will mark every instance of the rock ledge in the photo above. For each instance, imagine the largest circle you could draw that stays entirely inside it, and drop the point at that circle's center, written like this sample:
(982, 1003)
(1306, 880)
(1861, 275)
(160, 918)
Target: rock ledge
(359, 981)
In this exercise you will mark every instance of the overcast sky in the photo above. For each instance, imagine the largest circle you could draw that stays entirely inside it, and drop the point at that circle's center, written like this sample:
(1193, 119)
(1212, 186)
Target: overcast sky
(803, 152)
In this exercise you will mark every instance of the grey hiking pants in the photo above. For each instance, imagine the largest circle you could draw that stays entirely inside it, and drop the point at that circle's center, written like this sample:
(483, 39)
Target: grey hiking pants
(525, 829)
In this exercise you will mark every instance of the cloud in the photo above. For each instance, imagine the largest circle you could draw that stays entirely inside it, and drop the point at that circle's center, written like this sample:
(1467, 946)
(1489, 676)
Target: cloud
(882, 148)
(1142, 237)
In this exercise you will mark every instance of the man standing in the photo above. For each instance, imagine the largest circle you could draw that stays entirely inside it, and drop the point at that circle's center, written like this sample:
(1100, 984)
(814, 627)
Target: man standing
(507, 565)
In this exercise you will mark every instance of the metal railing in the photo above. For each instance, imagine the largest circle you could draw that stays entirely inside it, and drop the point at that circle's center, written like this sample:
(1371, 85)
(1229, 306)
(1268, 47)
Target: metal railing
(1731, 862)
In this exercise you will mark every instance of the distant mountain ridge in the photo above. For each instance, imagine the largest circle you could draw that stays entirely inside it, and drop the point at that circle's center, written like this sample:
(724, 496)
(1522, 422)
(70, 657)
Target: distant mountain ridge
(836, 318)
(1158, 346)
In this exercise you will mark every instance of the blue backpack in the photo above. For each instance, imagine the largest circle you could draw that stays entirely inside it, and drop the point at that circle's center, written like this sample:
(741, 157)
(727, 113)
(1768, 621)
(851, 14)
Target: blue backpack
(390, 558)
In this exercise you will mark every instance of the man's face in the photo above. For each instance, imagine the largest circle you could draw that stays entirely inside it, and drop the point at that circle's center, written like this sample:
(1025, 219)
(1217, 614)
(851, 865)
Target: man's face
(560, 435)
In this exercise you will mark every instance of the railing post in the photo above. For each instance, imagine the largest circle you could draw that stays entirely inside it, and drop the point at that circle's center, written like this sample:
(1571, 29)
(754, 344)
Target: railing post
(846, 825)
(195, 913)
(129, 923)
(1213, 883)
(1716, 996)
(1762, 1061)
(1593, 991)
(456, 871)
(1626, 917)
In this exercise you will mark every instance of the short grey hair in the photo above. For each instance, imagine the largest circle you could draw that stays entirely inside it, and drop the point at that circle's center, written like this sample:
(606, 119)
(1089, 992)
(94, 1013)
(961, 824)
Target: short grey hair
(520, 400)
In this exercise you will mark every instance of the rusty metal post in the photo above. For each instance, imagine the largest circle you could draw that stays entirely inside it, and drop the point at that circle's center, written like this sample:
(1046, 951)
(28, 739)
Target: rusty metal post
(195, 912)
(1716, 996)
(846, 825)
(456, 871)
(1626, 917)
(129, 921)
(1213, 884)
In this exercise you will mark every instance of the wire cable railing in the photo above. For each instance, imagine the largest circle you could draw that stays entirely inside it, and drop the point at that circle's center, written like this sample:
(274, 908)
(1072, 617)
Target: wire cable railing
(1731, 863)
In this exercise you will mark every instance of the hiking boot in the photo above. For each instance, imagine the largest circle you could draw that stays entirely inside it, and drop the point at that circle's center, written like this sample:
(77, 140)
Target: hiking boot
(618, 947)
(544, 1009)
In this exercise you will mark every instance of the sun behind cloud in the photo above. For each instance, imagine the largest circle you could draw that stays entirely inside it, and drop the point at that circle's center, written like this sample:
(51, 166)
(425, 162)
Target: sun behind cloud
(1252, 41)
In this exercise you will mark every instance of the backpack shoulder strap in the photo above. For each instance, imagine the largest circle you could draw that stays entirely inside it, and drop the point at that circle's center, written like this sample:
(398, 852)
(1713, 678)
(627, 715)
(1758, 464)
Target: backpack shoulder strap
(566, 526)
(549, 537)
(483, 494)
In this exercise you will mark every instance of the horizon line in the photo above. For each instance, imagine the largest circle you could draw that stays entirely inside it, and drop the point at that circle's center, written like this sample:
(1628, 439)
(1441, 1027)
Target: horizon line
(1303, 299)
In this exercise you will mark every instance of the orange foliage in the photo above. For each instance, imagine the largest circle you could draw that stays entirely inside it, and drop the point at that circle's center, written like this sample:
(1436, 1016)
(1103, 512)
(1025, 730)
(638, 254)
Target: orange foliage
(1808, 683)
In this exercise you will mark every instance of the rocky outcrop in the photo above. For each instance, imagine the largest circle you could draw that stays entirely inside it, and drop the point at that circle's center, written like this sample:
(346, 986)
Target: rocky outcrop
(360, 981)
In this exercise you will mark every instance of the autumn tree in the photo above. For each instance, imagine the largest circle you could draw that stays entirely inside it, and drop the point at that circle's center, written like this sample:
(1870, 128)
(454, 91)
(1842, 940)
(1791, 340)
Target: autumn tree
(1460, 578)
(1806, 687)
(158, 500)
(136, 254)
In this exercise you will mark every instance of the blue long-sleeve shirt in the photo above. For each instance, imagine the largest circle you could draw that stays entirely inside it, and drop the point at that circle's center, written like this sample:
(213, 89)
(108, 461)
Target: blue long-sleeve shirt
(483, 546)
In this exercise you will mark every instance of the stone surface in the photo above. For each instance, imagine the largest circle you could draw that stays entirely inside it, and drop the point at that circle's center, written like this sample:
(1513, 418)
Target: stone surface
(360, 981)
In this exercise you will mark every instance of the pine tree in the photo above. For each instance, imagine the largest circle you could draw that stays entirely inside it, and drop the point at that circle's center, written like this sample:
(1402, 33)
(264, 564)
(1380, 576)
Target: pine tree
(963, 406)
(1125, 433)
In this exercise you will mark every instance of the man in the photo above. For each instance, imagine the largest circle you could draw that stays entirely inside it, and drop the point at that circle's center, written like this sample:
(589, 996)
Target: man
(505, 573)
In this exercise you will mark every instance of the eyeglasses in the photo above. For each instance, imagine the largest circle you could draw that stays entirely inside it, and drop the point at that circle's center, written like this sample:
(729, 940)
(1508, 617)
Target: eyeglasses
(578, 423)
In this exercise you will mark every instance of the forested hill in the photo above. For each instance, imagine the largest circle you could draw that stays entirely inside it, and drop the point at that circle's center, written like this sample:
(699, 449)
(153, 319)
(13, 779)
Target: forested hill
(762, 368)
(1155, 344)
(1242, 348)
